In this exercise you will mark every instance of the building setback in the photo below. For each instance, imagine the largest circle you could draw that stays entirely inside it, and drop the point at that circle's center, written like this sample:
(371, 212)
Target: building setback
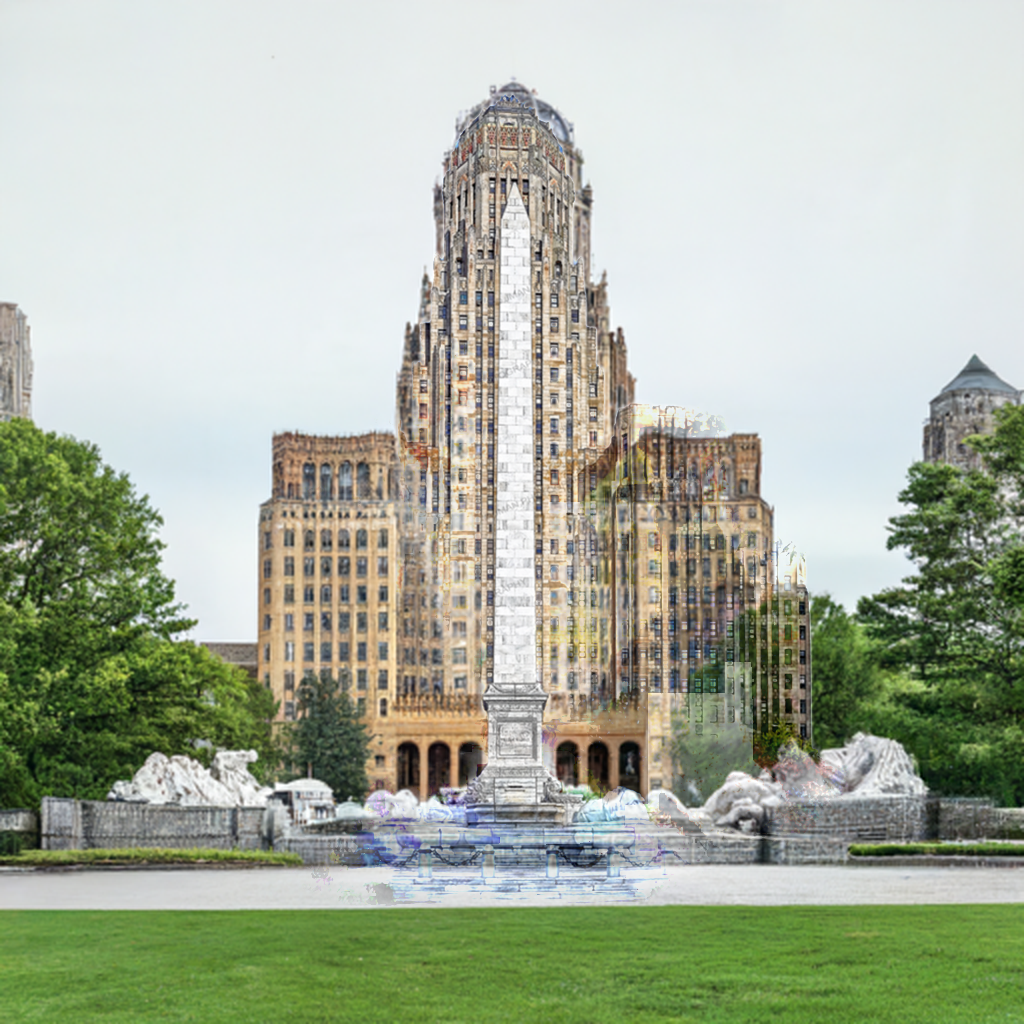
(416, 642)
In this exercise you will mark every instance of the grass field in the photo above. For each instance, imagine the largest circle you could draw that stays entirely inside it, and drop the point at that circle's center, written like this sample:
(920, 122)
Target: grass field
(933, 965)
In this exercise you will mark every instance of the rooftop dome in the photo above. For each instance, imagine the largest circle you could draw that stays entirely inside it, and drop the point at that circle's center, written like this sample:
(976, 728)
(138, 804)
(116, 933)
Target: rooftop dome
(977, 375)
(559, 126)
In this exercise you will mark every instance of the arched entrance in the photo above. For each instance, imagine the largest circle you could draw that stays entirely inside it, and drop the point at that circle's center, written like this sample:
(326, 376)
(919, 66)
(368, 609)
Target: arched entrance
(597, 766)
(629, 766)
(409, 767)
(439, 767)
(471, 756)
(567, 761)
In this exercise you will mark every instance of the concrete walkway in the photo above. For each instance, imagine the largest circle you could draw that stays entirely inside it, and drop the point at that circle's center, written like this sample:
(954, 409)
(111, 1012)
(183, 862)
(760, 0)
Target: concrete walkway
(320, 888)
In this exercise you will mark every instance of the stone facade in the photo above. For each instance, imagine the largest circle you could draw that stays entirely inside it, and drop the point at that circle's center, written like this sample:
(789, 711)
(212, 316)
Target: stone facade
(512, 277)
(684, 596)
(329, 568)
(965, 406)
(15, 363)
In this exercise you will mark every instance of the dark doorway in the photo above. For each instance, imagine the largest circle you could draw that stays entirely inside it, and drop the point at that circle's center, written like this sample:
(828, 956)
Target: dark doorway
(470, 756)
(439, 767)
(597, 767)
(409, 767)
(567, 759)
(629, 766)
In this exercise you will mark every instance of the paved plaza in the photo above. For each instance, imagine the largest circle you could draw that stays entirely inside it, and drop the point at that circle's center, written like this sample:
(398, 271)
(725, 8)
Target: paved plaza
(320, 888)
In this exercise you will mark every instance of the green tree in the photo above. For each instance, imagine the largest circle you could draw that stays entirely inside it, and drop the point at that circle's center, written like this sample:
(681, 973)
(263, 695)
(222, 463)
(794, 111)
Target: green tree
(847, 674)
(92, 680)
(330, 738)
(957, 624)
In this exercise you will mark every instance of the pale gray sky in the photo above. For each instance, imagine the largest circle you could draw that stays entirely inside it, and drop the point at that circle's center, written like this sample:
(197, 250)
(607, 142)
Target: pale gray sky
(216, 214)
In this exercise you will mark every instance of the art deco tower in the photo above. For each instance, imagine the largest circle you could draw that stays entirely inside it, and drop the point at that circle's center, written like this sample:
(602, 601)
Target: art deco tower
(448, 415)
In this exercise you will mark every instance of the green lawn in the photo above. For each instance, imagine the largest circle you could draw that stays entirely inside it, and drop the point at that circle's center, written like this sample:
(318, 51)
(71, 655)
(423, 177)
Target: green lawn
(147, 855)
(933, 965)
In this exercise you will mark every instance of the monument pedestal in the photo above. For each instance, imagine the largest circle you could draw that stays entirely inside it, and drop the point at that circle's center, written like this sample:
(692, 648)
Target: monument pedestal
(515, 788)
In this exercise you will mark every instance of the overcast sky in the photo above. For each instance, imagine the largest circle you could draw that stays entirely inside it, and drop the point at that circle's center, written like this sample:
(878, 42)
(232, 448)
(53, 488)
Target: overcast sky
(216, 215)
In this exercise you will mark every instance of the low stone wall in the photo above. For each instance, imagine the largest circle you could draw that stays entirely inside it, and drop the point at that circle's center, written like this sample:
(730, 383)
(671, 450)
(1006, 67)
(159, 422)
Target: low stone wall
(875, 819)
(978, 819)
(19, 830)
(98, 824)
(342, 850)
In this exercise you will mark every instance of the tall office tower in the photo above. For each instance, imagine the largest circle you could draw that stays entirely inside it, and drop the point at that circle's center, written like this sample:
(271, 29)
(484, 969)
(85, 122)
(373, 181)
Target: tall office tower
(619, 533)
(965, 406)
(448, 416)
(329, 568)
(15, 363)
(685, 606)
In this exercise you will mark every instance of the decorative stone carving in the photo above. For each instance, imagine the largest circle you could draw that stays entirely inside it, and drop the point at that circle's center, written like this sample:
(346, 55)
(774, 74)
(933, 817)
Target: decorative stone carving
(868, 766)
(873, 766)
(182, 781)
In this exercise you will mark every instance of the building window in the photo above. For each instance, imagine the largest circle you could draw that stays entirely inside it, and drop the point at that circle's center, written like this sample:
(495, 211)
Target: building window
(382, 651)
(308, 653)
(382, 565)
(325, 595)
(361, 651)
(361, 681)
(309, 566)
(343, 651)
(382, 679)
(361, 566)
(554, 324)
(289, 622)
(289, 593)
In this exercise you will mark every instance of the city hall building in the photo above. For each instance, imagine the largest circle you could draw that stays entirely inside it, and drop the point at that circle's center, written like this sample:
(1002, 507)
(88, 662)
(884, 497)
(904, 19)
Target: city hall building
(661, 594)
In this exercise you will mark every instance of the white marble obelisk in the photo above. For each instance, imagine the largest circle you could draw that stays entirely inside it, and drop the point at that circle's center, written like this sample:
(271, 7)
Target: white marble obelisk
(515, 613)
(515, 787)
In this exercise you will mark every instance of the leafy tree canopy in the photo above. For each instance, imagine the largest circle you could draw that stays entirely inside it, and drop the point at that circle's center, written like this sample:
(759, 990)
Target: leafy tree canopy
(92, 680)
(956, 626)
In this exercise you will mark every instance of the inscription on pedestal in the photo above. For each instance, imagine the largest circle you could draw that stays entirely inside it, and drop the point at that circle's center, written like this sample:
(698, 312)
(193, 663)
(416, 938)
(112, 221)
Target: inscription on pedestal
(515, 739)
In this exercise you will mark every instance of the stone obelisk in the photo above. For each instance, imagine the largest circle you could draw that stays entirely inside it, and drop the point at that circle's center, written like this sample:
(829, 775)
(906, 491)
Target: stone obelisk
(515, 786)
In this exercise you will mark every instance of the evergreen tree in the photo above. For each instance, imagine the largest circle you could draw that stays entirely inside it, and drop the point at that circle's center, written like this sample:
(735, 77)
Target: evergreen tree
(330, 738)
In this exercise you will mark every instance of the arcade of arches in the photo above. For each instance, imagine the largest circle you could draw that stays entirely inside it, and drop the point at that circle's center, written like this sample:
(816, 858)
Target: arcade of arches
(425, 766)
